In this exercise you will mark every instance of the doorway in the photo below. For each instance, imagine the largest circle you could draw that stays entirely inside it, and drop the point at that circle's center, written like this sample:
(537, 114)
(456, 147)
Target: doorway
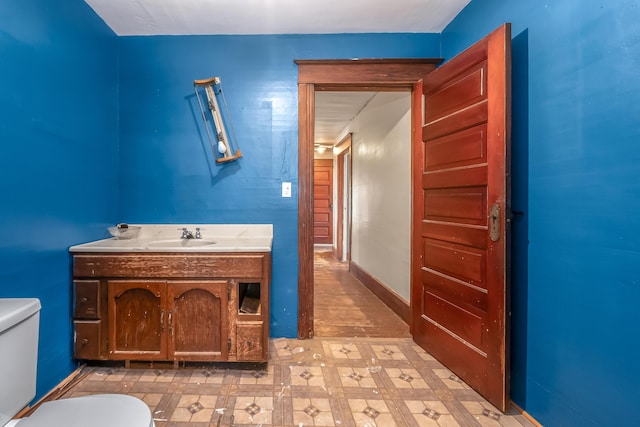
(344, 75)
(471, 90)
(378, 141)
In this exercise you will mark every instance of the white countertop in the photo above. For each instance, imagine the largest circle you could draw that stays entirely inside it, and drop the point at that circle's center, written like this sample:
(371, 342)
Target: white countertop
(166, 238)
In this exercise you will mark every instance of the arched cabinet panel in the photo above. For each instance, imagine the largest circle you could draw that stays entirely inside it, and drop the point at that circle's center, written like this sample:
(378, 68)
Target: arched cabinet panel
(198, 320)
(136, 319)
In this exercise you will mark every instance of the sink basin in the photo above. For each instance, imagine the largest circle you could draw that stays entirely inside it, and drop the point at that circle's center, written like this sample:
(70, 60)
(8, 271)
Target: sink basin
(181, 243)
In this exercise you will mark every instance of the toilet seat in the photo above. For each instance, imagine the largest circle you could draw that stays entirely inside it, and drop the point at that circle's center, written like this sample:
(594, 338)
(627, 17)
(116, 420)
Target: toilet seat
(101, 410)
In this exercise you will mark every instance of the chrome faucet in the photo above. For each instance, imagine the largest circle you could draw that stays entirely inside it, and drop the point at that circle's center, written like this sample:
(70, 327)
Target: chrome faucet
(187, 234)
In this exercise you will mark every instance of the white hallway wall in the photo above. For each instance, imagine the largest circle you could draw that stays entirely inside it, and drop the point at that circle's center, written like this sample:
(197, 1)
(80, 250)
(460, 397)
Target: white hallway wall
(381, 190)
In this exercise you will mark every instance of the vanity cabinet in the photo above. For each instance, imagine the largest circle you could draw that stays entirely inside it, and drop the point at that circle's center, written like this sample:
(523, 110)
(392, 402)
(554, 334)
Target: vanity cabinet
(171, 307)
(174, 320)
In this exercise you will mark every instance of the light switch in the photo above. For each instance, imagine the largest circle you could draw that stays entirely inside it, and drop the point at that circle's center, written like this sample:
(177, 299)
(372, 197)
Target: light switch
(286, 189)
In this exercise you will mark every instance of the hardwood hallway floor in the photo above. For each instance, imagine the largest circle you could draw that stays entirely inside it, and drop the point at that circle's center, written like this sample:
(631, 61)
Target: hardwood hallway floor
(344, 307)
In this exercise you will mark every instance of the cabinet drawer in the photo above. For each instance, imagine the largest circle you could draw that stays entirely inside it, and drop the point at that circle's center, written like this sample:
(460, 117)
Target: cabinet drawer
(169, 266)
(87, 339)
(249, 341)
(87, 300)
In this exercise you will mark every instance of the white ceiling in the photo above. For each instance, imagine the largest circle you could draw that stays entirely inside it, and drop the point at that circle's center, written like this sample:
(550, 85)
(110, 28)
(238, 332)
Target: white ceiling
(181, 17)
(334, 110)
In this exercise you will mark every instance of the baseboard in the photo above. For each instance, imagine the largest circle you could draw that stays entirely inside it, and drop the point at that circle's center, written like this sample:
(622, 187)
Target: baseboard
(526, 415)
(386, 295)
(58, 391)
(323, 246)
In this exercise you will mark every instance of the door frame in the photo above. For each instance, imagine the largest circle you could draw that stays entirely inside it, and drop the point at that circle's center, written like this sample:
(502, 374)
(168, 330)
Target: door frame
(341, 75)
(341, 149)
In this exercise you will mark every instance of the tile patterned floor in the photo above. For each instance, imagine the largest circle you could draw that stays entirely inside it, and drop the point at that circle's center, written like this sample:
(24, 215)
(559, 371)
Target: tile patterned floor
(351, 382)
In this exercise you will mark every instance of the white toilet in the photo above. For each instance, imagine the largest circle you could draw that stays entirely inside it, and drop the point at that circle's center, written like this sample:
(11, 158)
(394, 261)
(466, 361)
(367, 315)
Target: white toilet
(19, 320)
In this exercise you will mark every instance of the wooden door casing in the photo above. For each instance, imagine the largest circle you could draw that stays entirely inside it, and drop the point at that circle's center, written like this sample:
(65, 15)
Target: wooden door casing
(323, 201)
(351, 74)
(343, 182)
(461, 169)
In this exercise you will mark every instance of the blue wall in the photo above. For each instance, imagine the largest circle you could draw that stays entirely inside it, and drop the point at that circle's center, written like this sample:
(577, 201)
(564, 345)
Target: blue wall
(168, 173)
(58, 157)
(98, 129)
(576, 147)
(68, 169)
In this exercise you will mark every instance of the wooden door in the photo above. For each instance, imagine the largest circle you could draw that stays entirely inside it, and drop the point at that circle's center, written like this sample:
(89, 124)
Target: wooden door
(197, 320)
(136, 320)
(461, 201)
(250, 341)
(323, 201)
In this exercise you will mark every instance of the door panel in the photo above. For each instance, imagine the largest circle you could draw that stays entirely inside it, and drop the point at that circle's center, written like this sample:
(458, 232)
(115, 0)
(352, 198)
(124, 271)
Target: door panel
(197, 320)
(459, 149)
(467, 205)
(136, 320)
(459, 275)
(322, 201)
(250, 341)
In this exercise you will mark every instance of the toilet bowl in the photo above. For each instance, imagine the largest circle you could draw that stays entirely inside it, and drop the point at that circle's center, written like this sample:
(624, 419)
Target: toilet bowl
(101, 410)
(19, 321)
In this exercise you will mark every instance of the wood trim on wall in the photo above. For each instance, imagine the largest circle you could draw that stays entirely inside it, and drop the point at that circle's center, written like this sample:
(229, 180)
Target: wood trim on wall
(348, 74)
(526, 414)
(389, 297)
(344, 143)
(54, 394)
(341, 148)
(417, 198)
(306, 108)
(400, 72)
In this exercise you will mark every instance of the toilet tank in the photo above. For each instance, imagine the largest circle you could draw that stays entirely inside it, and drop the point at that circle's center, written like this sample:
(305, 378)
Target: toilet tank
(19, 321)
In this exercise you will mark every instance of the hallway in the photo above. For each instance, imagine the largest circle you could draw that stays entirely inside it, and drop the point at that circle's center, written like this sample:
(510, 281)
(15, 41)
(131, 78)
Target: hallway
(344, 307)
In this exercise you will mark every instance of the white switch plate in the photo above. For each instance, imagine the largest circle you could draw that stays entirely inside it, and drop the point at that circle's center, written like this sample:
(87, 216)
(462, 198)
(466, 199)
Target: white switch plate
(286, 189)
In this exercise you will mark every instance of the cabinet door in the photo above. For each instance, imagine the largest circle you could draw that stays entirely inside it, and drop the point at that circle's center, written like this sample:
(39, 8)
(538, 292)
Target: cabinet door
(136, 320)
(197, 320)
(87, 339)
(250, 341)
(86, 299)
